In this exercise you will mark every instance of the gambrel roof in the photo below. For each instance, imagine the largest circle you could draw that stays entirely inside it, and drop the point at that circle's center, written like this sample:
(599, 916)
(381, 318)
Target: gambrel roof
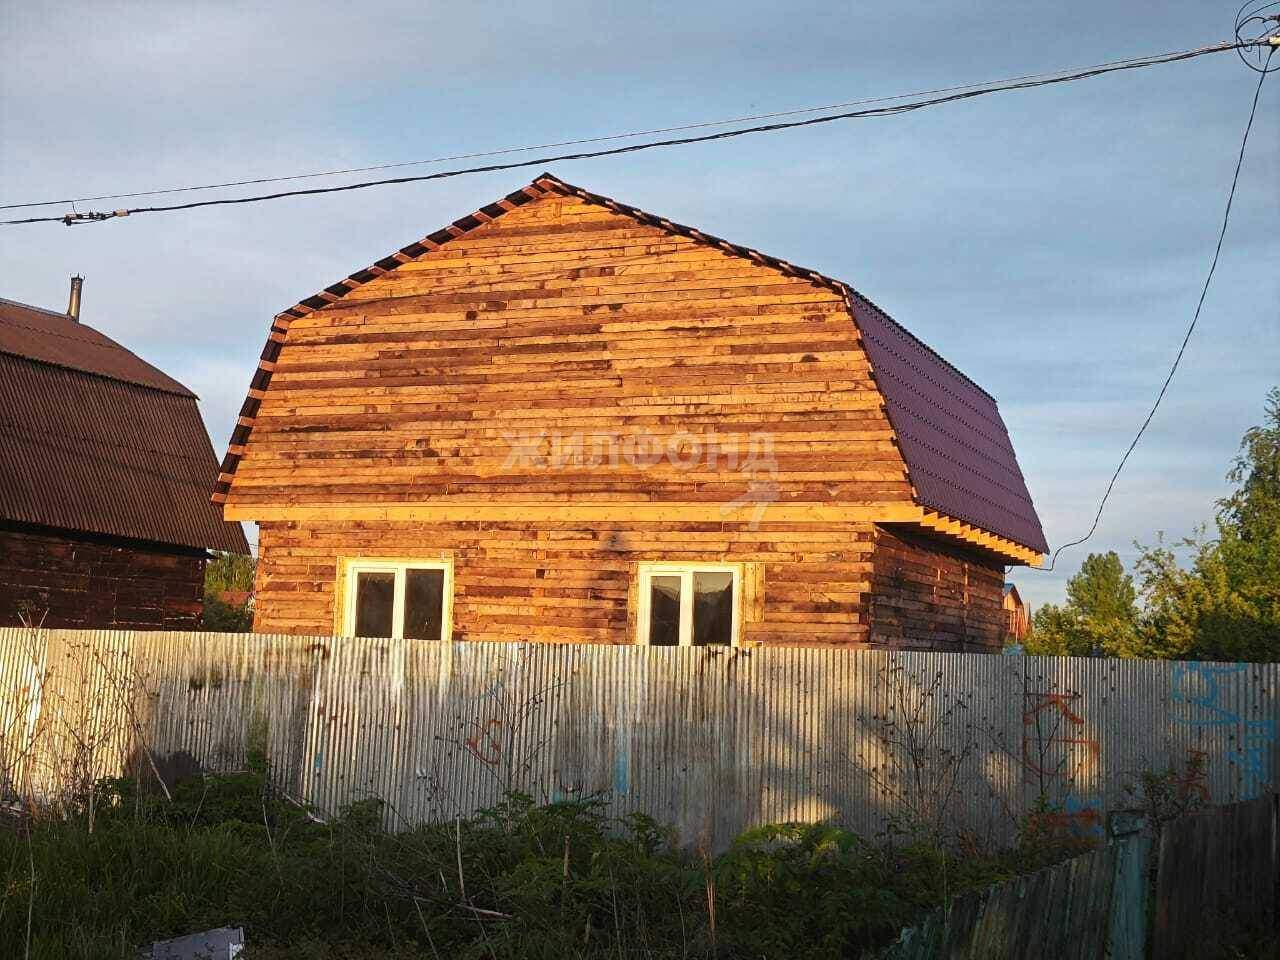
(958, 454)
(97, 440)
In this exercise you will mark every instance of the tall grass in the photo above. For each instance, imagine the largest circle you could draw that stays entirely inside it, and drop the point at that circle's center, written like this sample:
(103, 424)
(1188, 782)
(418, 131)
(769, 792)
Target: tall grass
(518, 880)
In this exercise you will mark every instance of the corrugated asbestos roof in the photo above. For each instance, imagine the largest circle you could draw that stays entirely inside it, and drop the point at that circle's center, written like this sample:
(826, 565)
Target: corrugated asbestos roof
(49, 337)
(95, 440)
(959, 457)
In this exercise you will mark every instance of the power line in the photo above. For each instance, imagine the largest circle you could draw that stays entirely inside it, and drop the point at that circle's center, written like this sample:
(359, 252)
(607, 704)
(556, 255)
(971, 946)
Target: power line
(964, 94)
(1258, 39)
(1217, 252)
(559, 143)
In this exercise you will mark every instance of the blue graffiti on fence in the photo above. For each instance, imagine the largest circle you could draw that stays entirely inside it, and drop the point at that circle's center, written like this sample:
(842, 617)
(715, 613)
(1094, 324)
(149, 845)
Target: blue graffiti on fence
(1082, 816)
(1199, 687)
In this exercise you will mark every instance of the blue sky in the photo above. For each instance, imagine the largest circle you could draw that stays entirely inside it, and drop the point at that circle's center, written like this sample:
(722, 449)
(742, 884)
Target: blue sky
(1050, 243)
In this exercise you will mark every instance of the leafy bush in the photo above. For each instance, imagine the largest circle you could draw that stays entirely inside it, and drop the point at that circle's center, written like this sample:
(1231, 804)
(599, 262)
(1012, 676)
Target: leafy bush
(222, 617)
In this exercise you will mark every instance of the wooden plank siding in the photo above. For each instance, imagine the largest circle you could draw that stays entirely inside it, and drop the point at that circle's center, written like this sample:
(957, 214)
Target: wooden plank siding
(563, 582)
(562, 393)
(567, 318)
(931, 594)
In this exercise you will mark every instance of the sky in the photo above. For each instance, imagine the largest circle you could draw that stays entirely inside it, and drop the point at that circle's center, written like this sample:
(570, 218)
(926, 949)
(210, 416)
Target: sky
(1050, 243)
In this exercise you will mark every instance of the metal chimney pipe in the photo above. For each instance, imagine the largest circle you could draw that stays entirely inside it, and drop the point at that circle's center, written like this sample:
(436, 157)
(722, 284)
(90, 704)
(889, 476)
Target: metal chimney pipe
(73, 305)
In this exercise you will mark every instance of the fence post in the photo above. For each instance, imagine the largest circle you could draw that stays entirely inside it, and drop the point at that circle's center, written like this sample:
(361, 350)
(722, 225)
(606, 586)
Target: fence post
(1127, 930)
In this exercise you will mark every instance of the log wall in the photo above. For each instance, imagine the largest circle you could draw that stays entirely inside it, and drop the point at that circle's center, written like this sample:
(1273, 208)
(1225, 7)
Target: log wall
(564, 582)
(841, 584)
(565, 357)
(562, 320)
(65, 580)
(928, 594)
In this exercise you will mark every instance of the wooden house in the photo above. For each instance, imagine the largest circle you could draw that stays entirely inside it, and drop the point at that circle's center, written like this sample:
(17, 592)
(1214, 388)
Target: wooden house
(1017, 613)
(105, 468)
(561, 418)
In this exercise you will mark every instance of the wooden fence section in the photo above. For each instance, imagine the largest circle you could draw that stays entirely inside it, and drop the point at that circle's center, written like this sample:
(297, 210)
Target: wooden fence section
(1219, 868)
(1081, 909)
(711, 740)
(1217, 879)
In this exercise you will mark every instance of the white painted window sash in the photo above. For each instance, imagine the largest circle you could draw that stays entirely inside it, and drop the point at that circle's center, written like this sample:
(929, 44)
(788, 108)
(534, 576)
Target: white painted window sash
(400, 571)
(685, 571)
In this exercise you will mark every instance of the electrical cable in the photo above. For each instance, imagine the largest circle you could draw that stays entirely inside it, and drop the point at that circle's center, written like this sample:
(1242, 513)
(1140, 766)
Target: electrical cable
(966, 94)
(1258, 43)
(542, 146)
(1226, 217)
(539, 146)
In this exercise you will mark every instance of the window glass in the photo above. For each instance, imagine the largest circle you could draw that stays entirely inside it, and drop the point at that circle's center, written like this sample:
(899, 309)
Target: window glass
(375, 604)
(664, 611)
(713, 608)
(424, 604)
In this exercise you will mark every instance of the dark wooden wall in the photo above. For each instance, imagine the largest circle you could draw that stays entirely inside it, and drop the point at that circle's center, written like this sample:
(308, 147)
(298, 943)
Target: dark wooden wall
(928, 594)
(65, 580)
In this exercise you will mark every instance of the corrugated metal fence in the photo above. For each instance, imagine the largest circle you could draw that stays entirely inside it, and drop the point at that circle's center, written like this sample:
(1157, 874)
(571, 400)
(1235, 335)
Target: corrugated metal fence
(711, 740)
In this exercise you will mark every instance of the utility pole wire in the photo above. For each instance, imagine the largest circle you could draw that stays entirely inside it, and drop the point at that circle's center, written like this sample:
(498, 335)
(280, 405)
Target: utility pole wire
(95, 216)
(1217, 252)
(553, 145)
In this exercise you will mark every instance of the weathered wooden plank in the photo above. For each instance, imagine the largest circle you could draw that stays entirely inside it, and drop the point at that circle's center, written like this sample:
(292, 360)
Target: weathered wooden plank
(1218, 871)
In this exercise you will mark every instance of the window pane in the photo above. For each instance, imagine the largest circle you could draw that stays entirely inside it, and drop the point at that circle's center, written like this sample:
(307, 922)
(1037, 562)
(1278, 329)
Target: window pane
(664, 611)
(713, 608)
(424, 604)
(375, 600)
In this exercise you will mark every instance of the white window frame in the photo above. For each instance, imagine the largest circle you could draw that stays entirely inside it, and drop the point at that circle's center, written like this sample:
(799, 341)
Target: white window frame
(353, 567)
(648, 570)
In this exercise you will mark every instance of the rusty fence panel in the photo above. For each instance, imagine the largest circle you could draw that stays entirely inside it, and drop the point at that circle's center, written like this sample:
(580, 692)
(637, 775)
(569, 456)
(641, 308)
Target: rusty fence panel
(713, 741)
(1218, 871)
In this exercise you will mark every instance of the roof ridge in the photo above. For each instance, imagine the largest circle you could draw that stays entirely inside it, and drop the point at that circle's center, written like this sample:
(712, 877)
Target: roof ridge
(91, 338)
(32, 306)
(185, 391)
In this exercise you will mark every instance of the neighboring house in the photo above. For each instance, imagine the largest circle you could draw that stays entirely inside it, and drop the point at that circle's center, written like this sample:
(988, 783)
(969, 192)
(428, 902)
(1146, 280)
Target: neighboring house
(564, 419)
(105, 469)
(236, 598)
(1018, 623)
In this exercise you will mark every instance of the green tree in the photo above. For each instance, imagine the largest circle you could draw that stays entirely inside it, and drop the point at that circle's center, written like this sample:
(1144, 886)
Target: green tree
(1225, 605)
(230, 571)
(1055, 631)
(1100, 615)
(235, 573)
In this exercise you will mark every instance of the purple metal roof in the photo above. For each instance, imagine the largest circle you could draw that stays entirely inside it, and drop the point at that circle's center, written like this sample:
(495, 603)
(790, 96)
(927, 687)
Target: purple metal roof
(959, 456)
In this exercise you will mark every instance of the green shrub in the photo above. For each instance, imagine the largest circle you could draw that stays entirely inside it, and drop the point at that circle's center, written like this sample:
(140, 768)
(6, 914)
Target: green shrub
(516, 880)
(222, 617)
